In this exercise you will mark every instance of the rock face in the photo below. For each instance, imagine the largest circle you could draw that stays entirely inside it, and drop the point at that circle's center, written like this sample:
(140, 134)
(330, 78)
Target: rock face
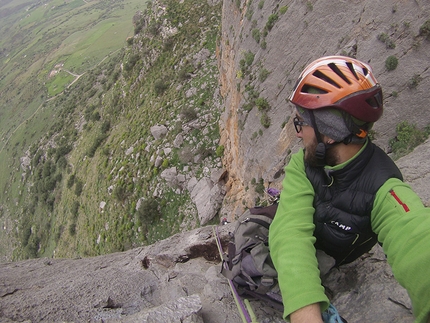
(416, 171)
(264, 47)
(207, 196)
(178, 280)
(175, 280)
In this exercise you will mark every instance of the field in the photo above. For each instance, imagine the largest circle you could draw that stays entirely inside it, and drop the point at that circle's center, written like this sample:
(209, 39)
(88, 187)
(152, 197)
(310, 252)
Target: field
(36, 38)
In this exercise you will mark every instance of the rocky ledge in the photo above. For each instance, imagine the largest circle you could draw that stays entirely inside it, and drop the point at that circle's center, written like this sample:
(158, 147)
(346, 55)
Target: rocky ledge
(178, 280)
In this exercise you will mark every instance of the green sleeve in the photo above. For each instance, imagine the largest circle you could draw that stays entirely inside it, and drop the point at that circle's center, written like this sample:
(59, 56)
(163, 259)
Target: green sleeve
(403, 227)
(291, 241)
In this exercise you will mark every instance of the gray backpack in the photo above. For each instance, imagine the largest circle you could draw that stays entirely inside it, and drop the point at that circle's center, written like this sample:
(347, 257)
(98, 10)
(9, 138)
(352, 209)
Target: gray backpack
(248, 263)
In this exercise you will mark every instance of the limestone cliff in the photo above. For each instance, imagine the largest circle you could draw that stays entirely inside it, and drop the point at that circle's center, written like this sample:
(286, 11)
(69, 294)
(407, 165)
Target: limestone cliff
(266, 44)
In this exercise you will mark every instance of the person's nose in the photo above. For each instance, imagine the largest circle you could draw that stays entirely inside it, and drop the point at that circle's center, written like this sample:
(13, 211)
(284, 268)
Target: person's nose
(299, 134)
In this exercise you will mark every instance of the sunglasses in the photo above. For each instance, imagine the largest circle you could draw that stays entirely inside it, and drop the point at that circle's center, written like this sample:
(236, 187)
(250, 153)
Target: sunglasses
(298, 124)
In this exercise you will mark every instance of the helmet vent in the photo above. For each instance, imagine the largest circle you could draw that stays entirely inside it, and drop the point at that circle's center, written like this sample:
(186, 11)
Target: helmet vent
(325, 78)
(375, 101)
(312, 89)
(336, 69)
(351, 68)
(365, 71)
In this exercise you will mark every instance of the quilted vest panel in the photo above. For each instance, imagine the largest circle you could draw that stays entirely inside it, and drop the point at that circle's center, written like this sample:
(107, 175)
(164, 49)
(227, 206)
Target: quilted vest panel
(344, 200)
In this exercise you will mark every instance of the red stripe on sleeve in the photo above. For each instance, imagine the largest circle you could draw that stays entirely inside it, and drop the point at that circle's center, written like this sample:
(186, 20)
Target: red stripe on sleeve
(405, 207)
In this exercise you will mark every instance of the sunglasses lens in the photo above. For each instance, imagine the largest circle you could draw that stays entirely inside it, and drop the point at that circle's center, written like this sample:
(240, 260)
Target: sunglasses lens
(297, 124)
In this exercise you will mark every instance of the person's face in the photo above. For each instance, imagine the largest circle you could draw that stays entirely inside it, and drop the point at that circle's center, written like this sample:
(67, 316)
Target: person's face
(303, 130)
(307, 134)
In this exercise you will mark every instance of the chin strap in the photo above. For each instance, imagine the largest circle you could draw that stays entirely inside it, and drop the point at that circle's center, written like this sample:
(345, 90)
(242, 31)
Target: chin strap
(321, 147)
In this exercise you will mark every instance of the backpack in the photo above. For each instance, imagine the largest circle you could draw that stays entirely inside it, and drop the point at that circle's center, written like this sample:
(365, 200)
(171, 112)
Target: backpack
(249, 267)
(247, 262)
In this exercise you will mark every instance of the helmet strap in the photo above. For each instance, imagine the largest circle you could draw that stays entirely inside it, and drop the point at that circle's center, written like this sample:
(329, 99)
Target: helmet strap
(321, 147)
(359, 131)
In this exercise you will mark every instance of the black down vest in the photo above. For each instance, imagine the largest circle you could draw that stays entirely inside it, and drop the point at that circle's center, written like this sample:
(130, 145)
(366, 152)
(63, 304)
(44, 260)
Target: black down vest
(344, 200)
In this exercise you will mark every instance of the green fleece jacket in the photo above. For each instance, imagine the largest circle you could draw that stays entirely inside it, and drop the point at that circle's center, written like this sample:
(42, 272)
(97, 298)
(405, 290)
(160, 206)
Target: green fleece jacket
(398, 217)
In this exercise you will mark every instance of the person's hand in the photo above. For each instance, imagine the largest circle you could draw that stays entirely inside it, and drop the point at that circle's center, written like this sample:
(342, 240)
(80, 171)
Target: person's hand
(308, 314)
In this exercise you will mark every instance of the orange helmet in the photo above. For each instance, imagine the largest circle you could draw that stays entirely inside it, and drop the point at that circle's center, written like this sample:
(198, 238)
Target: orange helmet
(340, 82)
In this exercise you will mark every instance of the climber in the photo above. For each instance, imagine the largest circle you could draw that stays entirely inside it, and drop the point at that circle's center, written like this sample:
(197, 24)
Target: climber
(342, 194)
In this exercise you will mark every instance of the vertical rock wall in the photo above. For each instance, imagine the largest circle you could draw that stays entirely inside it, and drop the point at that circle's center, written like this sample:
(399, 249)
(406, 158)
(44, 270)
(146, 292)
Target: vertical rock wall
(301, 31)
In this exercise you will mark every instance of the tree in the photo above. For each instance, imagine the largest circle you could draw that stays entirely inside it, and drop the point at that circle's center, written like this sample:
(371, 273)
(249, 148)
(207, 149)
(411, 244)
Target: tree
(149, 211)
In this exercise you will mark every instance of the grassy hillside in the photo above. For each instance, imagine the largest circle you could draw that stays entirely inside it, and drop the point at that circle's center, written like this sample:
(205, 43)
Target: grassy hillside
(81, 176)
(37, 36)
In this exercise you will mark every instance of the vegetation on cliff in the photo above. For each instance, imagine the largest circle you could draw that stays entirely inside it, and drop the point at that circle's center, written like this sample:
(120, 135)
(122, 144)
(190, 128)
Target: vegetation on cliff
(92, 183)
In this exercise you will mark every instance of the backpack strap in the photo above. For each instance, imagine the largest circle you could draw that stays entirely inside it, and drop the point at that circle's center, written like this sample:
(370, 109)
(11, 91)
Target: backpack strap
(258, 221)
(268, 211)
(266, 284)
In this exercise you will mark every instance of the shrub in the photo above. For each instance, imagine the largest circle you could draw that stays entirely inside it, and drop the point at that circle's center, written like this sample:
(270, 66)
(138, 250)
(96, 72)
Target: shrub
(165, 163)
(74, 209)
(154, 28)
(131, 62)
(246, 61)
(185, 73)
(261, 4)
(249, 13)
(414, 81)
(96, 144)
(283, 10)
(62, 151)
(383, 37)
(262, 76)
(71, 181)
(62, 162)
(271, 21)
(219, 151)
(265, 120)
(249, 58)
(120, 192)
(262, 104)
(25, 229)
(105, 126)
(95, 116)
(256, 34)
(425, 30)
(188, 114)
(408, 137)
(149, 211)
(263, 44)
(32, 247)
(160, 86)
(259, 187)
(391, 63)
(79, 187)
(72, 229)
(247, 107)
